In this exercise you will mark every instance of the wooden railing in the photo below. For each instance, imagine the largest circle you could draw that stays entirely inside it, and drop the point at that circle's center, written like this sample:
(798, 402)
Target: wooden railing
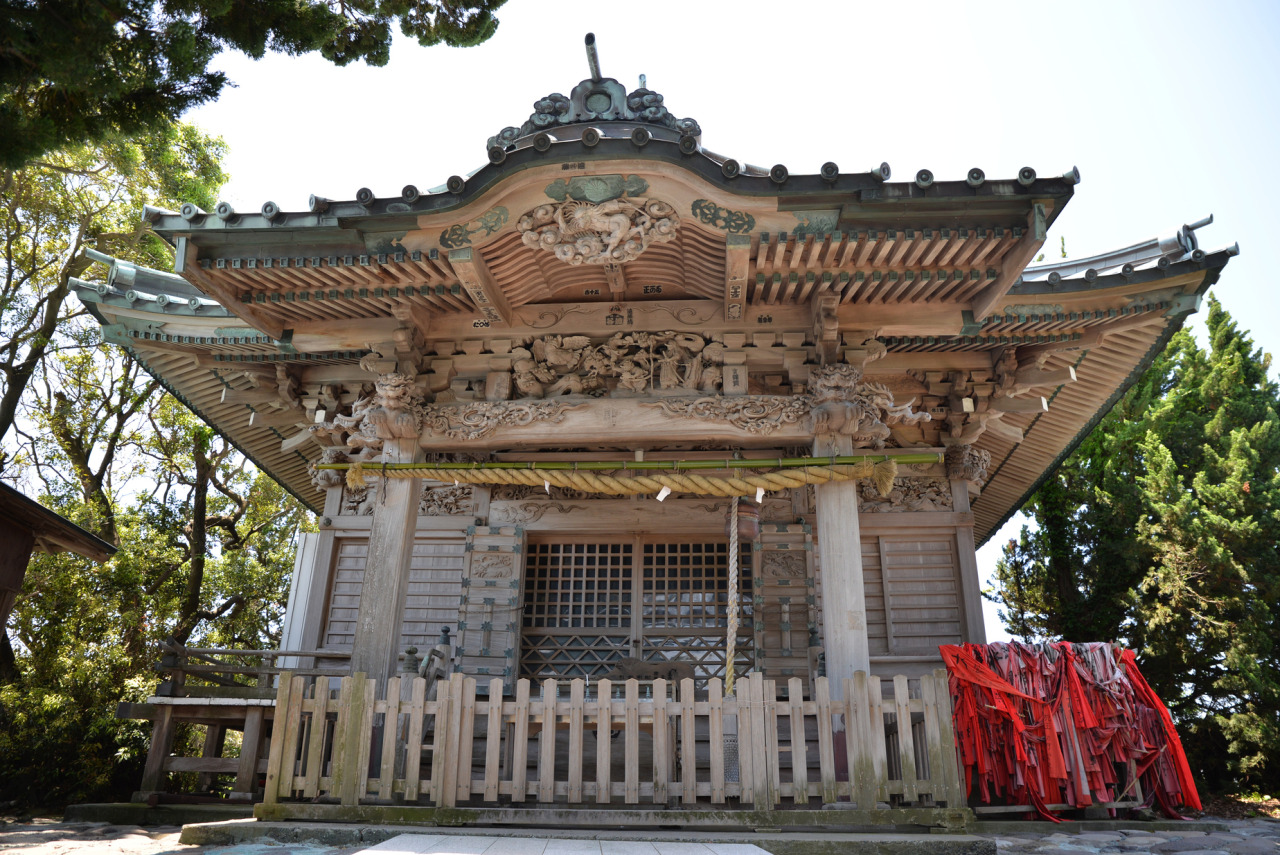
(887, 742)
(218, 672)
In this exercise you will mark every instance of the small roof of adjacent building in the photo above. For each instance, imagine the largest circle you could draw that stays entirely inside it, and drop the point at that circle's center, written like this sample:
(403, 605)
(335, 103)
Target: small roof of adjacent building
(52, 533)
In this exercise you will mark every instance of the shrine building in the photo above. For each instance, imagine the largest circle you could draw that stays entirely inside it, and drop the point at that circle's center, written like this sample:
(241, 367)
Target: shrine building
(524, 405)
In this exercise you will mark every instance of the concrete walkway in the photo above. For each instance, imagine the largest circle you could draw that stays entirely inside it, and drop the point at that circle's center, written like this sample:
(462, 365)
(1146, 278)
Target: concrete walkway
(439, 844)
(1232, 837)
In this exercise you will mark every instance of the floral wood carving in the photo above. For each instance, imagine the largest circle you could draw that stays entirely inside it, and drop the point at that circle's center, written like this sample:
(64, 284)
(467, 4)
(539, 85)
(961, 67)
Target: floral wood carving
(908, 494)
(611, 232)
(472, 421)
(758, 414)
(782, 565)
(966, 463)
(528, 512)
(453, 501)
(628, 363)
(840, 403)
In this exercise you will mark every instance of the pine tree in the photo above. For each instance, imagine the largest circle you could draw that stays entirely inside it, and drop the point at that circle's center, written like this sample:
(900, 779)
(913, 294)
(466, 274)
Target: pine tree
(78, 71)
(1161, 531)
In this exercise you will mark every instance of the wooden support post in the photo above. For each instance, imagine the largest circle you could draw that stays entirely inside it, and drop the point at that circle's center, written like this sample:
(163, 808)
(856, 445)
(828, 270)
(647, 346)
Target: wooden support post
(161, 743)
(975, 631)
(375, 648)
(844, 599)
(214, 737)
(250, 748)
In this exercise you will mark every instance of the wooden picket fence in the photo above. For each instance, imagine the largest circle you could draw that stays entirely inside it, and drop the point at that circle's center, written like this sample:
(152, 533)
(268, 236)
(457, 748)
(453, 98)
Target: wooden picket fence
(653, 743)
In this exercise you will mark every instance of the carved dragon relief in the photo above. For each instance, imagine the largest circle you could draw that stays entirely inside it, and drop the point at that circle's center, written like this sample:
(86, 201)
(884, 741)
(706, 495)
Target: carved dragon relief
(479, 419)
(758, 414)
(610, 232)
(843, 404)
(493, 566)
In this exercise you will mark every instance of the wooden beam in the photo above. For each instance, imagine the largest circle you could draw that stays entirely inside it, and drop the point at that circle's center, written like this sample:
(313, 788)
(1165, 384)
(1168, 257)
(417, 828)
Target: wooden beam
(737, 259)
(478, 282)
(1013, 263)
(1037, 404)
(277, 418)
(627, 422)
(247, 312)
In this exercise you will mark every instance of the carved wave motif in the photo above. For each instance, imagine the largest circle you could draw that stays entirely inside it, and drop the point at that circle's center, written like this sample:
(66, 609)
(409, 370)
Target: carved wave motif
(529, 512)
(754, 414)
(473, 421)
(550, 317)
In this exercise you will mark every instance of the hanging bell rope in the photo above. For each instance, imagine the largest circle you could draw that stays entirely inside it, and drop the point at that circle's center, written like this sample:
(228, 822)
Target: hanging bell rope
(611, 478)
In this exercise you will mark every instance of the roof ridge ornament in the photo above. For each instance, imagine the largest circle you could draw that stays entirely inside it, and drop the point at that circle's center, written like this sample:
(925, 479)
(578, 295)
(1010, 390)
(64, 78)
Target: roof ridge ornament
(597, 99)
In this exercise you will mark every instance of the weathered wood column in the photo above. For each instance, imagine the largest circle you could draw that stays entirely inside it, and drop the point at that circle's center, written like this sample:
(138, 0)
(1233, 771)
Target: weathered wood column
(375, 649)
(847, 414)
(396, 421)
(844, 599)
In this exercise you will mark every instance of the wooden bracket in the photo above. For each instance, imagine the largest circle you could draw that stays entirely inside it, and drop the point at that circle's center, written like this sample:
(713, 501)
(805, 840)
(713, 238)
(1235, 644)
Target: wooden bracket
(737, 260)
(478, 282)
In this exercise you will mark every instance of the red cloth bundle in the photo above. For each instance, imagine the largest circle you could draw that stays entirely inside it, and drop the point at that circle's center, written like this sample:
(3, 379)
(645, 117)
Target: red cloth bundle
(1048, 724)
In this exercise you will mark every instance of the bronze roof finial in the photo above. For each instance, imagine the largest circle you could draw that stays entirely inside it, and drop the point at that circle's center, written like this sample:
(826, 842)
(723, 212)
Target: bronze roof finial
(593, 59)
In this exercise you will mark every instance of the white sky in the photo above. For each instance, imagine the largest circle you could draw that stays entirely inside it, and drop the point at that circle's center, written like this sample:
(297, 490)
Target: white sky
(1168, 108)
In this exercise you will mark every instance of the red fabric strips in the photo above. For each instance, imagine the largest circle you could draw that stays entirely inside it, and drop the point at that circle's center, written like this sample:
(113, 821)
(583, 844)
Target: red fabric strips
(1063, 724)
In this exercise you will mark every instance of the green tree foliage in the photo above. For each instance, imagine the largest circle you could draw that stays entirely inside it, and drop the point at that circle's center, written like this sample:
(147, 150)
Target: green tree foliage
(206, 543)
(84, 197)
(205, 540)
(81, 71)
(1162, 530)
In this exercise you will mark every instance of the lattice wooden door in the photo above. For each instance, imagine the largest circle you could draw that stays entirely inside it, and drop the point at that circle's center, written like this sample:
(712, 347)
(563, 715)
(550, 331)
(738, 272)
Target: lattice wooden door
(591, 602)
(786, 623)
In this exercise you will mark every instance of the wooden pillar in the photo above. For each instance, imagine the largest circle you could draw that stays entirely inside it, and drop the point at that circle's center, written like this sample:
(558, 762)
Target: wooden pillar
(975, 631)
(250, 750)
(375, 650)
(844, 600)
(161, 745)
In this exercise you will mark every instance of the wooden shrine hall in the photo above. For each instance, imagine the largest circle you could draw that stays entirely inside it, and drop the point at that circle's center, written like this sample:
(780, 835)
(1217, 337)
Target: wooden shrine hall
(524, 406)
